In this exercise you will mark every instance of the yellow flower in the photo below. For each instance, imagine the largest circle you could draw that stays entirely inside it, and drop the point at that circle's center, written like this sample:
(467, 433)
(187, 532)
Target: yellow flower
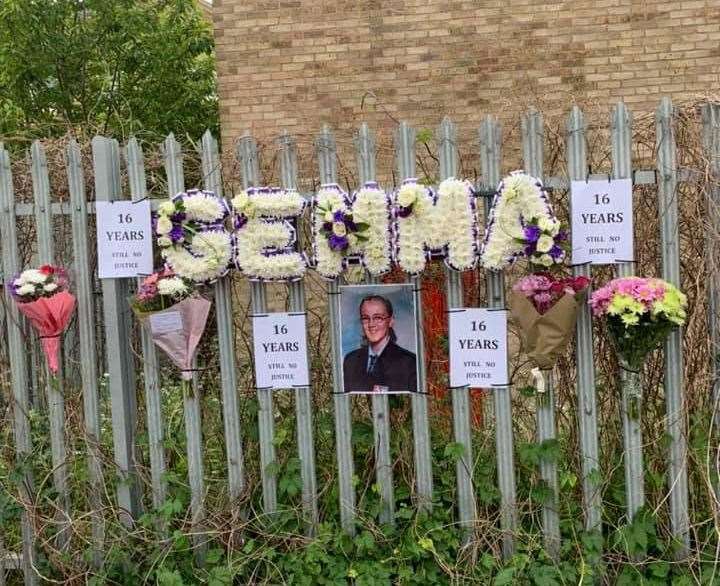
(630, 319)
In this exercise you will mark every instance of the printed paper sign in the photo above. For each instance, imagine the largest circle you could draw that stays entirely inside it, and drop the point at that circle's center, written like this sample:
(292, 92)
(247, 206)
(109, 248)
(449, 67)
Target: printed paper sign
(280, 343)
(124, 239)
(602, 221)
(166, 322)
(478, 347)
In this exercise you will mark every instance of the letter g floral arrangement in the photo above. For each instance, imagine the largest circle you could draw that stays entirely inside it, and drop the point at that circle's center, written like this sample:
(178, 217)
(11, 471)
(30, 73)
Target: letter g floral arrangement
(639, 314)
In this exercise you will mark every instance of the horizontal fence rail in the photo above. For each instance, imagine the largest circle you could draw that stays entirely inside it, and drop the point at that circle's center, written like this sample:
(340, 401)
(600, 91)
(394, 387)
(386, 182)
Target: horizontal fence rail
(133, 391)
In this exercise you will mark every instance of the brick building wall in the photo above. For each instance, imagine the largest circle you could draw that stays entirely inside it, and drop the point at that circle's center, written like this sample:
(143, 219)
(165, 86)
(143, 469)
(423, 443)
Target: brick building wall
(295, 64)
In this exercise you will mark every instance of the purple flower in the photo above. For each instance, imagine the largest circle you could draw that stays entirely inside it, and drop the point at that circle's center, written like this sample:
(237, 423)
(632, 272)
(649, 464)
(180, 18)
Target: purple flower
(350, 225)
(562, 236)
(240, 221)
(404, 212)
(338, 242)
(530, 249)
(177, 234)
(532, 233)
(338, 216)
(556, 252)
(178, 217)
(327, 226)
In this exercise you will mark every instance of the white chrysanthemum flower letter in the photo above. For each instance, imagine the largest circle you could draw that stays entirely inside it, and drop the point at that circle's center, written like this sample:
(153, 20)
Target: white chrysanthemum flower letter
(265, 240)
(192, 235)
(441, 225)
(521, 224)
(350, 231)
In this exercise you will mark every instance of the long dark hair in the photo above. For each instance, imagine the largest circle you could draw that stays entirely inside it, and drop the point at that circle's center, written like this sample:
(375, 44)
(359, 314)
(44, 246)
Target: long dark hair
(388, 309)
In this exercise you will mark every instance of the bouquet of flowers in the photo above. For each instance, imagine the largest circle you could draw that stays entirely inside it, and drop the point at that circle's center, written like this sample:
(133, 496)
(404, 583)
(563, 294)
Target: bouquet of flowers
(545, 308)
(174, 314)
(639, 313)
(42, 296)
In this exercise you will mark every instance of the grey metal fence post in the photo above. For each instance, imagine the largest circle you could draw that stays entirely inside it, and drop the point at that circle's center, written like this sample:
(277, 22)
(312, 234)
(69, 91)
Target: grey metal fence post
(88, 346)
(674, 391)
(212, 178)
(405, 162)
(303, 396)
(55, 395)
(365, 151)
(533, 134)
(173, 162)
(153, 405)
(490, 156)
(116, 315)
(467, 508)
(248, 157)
(326, 152)
(18, 366)
(711, 144)
(576, 148)
(621, 125)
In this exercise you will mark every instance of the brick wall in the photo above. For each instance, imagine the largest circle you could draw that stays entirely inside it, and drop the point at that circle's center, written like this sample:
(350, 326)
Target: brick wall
(295, 64)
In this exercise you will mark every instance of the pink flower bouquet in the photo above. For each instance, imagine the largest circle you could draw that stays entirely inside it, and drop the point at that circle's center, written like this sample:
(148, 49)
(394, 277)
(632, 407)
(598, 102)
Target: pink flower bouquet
(639, 314)
(545, 308)
(42, 297)
(174, 314)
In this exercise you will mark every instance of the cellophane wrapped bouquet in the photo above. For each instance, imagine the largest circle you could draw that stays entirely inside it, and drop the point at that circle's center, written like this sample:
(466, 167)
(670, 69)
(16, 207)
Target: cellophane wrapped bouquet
(175, 315)
(42, 296)
(639, 313)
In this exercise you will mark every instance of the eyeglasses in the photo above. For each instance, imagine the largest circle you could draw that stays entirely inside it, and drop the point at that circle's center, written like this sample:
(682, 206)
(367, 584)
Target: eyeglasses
(374, 319)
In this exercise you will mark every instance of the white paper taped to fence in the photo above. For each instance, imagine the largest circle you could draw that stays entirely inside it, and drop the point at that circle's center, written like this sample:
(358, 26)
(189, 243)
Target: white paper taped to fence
(166, 322)
(124, 239)
(602, 221)
(280, 343)
(478, 347)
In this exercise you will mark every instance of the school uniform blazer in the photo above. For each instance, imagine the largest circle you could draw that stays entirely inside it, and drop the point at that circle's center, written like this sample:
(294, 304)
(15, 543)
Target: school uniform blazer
(395, 368)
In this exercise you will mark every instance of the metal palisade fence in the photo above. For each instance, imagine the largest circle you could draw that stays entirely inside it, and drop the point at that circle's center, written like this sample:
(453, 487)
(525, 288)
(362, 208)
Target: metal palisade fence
(105, 346)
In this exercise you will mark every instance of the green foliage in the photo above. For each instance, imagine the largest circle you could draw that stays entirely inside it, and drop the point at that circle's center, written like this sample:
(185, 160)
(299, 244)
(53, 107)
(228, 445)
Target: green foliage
(143, 67)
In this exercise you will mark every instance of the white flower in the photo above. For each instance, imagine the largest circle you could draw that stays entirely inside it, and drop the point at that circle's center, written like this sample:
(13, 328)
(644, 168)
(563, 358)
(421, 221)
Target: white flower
(339, 229)
(203, 206)
(26, 289)
(205, 259)
(544, 243)
(164, 225)
(549, 225)
(328, 216)
(276, 203)
(166, 208)
(240, 201)
(171, 286)
(50, 287)
(259, 236)
(545, 260)
(33, 276)
(19, 282)
(408, 194)
(164, 241)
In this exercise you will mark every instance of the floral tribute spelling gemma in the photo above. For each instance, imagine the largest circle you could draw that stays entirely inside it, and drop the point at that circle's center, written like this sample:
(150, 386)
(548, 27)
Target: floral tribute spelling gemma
(42, 296)
(340, 235)
(192, 236)
(266, 242)
(639, 314)
(522, 224)
(435, 225)
(175, 315)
